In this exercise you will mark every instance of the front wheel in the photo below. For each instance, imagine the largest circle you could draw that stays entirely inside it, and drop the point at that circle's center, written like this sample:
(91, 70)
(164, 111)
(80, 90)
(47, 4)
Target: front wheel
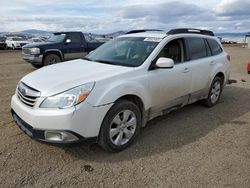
(37, 65)
(120, 126)
(214, 92)
(51, 59)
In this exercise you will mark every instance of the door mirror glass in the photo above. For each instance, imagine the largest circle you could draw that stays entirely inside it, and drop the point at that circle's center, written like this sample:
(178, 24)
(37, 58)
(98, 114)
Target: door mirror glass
(68, 41)
(163, 62)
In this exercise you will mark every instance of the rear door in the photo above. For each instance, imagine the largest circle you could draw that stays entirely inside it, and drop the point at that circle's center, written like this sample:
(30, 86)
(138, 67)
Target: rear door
(76, 48)
(201, 63)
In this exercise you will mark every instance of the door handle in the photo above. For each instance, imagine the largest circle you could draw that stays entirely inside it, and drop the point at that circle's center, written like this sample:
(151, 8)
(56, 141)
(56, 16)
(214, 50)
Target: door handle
(185, 70)
(212, 63)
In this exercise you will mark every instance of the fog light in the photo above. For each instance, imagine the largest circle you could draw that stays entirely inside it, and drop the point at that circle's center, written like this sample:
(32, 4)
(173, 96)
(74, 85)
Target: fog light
(59, 136)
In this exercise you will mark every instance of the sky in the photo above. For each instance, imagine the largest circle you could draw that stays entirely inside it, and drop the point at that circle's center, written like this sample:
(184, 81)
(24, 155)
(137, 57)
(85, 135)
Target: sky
(108, 16)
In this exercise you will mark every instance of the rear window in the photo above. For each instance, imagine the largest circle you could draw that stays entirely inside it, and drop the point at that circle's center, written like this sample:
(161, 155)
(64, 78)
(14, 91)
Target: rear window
(215, 47)
(74, 37)
(197, 48)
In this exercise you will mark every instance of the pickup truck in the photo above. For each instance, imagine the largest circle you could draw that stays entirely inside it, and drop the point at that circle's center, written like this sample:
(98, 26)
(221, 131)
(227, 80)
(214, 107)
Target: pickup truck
(62, 46)
(2, 43)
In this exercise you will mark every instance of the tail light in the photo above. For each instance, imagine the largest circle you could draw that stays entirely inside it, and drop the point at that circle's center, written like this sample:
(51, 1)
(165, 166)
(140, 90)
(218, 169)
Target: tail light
(228, 57)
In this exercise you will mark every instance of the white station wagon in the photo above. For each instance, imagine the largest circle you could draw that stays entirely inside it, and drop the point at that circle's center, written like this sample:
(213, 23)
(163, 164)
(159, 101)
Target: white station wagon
(120, 86)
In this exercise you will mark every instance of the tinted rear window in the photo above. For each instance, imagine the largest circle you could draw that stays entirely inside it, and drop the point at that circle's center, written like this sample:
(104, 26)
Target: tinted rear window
(75, 37)
(197, 48)
(215, 47)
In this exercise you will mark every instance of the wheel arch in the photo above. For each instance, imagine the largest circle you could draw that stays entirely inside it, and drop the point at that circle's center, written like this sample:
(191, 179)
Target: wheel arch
(221, 75)
(53, 51)
(134, 99)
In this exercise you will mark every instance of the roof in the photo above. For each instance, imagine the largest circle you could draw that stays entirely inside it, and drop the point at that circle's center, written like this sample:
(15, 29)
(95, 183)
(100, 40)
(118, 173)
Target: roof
(62, 32)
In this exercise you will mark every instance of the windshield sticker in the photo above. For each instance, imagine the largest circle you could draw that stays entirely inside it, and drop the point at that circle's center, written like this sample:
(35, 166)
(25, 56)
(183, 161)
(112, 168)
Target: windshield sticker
(151, 39)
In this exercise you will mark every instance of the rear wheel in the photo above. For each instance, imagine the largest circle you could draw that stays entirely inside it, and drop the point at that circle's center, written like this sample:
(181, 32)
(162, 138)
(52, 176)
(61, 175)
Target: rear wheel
(214, 92)
(51, 59)
(120, 126)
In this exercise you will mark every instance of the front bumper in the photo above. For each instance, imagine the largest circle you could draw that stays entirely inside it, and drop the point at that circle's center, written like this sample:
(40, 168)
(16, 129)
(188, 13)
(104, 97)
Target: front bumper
(41, 135)
(34, 59)
(82, 121)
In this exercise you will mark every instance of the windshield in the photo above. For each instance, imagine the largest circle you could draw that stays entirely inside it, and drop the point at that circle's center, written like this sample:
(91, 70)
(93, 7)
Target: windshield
(57, 37)
(18, 39)
(124, 51)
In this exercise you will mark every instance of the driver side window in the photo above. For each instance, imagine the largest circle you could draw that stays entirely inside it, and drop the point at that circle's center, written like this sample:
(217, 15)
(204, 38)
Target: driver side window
(173, 50)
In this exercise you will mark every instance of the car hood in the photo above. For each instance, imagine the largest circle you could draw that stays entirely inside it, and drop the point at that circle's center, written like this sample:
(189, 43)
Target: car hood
(60, 77)
(39, 44)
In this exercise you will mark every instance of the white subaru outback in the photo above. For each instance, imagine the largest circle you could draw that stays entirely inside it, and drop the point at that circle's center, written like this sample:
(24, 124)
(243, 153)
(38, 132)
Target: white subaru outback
(120, 86)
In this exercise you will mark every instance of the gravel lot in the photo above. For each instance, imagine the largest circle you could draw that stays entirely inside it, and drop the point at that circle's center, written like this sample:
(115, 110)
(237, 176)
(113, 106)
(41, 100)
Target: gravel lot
(191, 147)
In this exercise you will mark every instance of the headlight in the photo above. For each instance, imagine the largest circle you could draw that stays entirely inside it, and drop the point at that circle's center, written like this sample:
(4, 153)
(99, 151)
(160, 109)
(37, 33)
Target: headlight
(68, 98)
(34, 51)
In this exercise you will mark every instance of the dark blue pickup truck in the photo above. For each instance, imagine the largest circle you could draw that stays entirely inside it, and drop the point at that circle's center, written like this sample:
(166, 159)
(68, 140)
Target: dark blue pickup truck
(62, 46)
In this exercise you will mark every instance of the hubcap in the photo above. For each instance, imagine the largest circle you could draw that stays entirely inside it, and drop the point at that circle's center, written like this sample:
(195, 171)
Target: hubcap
(122, 127)
(52, 61)
(215, 92)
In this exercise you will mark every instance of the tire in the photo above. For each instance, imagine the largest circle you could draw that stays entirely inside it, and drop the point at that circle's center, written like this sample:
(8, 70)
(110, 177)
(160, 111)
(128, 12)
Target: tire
(13, 47)
(248, 72)
(124, 131)
(36, 66)
(214, 92)
(51, 59)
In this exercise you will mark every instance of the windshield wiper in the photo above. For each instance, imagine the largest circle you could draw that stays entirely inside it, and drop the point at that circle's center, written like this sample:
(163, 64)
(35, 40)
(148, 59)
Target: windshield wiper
(86, 58)
(106, 62)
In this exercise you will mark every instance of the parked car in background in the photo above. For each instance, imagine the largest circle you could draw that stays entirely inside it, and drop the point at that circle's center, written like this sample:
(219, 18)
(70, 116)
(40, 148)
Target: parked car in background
(2, 43)
(62, 46)
(33, 40)
(15, 42)
(124, 83)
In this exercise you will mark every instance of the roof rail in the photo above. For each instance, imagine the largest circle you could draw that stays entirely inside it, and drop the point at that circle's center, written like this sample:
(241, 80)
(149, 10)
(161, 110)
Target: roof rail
(142, 31)
(190, 30)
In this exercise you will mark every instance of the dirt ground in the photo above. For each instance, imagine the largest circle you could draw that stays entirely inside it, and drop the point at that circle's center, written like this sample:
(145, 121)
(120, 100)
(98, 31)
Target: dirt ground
(191, 147)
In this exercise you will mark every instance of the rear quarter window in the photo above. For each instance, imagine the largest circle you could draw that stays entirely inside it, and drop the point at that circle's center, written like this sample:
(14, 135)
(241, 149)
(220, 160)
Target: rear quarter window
(197, 48)
(214, 46)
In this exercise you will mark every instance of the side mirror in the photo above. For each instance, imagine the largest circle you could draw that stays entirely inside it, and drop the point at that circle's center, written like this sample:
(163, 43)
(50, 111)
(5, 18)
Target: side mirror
(166, 63)
(68, 41)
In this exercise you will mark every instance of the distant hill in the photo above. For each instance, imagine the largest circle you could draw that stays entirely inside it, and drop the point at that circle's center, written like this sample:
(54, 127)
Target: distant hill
(115, 34)
(35, 32)
(232, 34)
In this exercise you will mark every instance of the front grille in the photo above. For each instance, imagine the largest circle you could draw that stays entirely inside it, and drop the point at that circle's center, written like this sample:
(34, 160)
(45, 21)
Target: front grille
(27, 95)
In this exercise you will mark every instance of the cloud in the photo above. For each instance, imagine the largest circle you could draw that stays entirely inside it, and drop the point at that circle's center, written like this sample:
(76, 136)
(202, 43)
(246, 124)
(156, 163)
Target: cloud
(164, 10)
(112, 15)
(233, 8)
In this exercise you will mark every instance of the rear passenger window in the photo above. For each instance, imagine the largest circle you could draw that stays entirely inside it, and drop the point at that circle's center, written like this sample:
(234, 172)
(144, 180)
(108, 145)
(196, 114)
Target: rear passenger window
(215, 47)
(197, 48)
(74, 37)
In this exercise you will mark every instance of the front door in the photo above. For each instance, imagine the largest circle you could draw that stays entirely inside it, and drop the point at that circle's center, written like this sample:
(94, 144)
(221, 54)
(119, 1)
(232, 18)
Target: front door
(170, 87)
